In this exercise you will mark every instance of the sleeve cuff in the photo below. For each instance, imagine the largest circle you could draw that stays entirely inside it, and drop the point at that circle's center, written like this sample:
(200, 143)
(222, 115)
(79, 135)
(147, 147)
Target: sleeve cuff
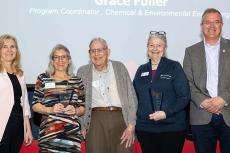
(201, 106)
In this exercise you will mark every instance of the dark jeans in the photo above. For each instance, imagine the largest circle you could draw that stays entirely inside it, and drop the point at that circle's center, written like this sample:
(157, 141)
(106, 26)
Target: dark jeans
(205, 136)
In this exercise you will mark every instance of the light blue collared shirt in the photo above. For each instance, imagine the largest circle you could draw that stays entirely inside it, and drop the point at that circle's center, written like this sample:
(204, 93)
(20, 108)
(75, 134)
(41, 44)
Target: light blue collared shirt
(212, 53)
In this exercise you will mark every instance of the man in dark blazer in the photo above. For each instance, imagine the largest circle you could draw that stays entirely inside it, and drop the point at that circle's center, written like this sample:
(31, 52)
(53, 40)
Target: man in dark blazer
(207, 66)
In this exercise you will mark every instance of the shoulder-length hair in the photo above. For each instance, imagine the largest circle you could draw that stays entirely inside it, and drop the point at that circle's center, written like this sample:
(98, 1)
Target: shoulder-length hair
(51, 69)
(16, 62)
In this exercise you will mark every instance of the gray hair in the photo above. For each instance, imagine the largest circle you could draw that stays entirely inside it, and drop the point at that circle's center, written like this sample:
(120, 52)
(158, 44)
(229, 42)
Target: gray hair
(51, 69)
(101, 40)
(159, 36)
(211, 10)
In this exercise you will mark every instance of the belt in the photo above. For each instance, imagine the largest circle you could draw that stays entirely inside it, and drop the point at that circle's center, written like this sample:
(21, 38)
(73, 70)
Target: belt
(111, 108)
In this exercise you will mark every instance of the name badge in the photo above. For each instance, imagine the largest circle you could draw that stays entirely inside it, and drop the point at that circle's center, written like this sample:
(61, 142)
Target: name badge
(144, 73)
(165, 76)
(49, 85)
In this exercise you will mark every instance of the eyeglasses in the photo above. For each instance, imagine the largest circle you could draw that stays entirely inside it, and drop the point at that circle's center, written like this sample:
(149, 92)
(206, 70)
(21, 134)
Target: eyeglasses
(217, 22)
(163, 33)
(62, 57)
(98, 50)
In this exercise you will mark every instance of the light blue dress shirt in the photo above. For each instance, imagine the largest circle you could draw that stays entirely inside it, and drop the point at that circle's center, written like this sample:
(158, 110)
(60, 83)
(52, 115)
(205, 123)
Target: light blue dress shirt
(212, 53)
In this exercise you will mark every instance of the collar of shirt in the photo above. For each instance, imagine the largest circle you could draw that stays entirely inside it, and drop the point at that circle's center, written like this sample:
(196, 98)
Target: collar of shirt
(103, 71)
(212, 51)
(208, 45)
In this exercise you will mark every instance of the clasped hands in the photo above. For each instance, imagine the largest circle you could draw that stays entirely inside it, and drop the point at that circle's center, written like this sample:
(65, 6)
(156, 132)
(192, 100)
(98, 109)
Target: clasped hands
(213, 105)
(60, 108)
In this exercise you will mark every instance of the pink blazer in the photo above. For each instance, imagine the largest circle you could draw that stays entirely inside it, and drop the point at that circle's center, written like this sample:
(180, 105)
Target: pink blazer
(7, 100)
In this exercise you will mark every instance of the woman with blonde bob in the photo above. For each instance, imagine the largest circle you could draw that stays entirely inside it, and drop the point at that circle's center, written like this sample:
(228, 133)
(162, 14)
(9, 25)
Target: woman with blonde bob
(15, 109)
(59, 97)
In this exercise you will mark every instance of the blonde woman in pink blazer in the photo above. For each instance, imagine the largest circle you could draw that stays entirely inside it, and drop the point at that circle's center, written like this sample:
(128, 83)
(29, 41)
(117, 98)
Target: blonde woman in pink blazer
(14, 105)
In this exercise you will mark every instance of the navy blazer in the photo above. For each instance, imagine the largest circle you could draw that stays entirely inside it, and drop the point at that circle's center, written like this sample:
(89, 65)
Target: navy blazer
(171, 80)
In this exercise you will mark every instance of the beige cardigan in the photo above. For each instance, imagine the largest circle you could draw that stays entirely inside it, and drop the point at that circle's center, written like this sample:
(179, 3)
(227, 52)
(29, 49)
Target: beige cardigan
(125, 88)
(7, 100)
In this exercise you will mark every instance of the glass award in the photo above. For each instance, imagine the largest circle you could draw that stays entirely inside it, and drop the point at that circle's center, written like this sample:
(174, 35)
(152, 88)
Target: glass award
(156, 97)
(65, 97)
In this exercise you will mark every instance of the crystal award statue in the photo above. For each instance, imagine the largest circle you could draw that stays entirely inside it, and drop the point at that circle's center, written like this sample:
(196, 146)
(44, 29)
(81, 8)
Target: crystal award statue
(156, 97)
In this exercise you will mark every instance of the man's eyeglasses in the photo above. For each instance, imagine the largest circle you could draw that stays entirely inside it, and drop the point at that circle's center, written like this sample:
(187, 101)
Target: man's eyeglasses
(163, 33)
(98, 50)
(62, 57)
(217, 22)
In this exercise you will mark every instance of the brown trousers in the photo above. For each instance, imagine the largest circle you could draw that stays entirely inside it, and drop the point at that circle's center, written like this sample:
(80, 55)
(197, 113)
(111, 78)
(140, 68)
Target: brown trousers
(105, 131)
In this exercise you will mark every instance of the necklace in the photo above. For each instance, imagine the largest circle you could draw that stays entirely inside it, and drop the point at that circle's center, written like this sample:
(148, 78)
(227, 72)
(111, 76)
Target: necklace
(155, 63)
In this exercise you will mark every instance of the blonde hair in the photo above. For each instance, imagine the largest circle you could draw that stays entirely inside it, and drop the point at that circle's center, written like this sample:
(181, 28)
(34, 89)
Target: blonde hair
(51, 69)
(16, 62)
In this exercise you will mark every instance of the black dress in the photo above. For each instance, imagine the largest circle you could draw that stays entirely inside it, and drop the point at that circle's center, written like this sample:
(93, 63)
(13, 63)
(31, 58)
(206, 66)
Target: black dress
(14, 133)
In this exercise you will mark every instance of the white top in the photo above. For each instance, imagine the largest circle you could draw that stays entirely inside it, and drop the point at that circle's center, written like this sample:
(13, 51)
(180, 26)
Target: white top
(104, 91)
(212, 53)
(7, 100)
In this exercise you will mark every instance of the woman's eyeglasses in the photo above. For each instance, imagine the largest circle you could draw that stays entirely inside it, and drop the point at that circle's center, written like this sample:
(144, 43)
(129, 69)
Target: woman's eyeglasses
(62, 57)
